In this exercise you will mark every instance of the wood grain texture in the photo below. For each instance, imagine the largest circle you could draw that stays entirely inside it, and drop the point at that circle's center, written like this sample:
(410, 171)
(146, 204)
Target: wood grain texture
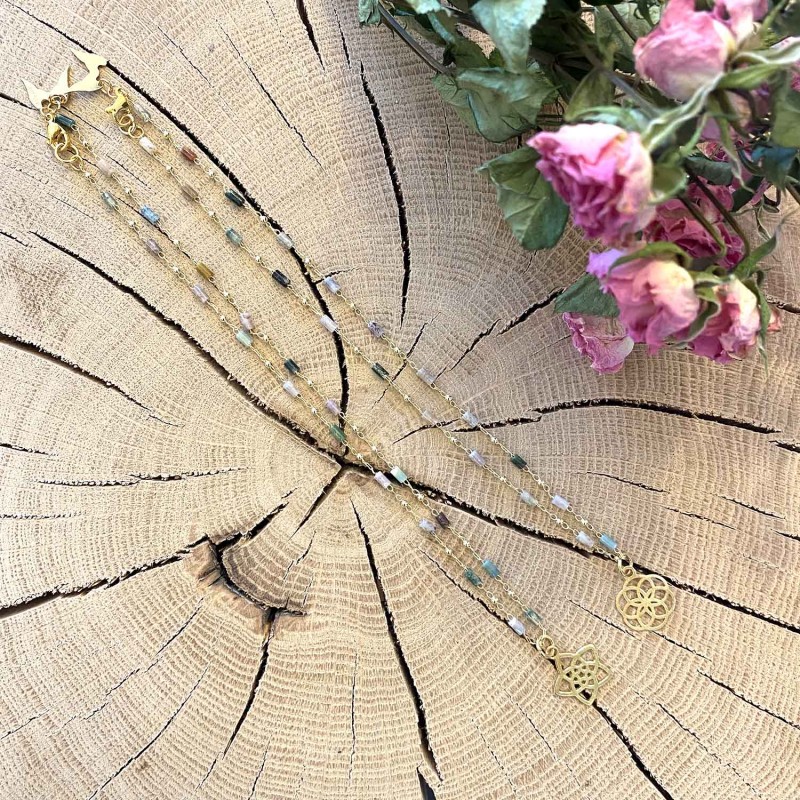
(200, 597)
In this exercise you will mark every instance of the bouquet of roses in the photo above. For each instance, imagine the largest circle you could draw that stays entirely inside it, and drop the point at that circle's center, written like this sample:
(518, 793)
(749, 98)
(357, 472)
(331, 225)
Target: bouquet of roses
(666, 133)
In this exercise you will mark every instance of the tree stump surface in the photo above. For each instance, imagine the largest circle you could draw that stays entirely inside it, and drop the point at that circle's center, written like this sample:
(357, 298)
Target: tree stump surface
(199, 601)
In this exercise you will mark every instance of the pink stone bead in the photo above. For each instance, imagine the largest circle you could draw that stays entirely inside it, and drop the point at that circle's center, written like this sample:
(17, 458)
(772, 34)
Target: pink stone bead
(105, 166)
(200, 293)
(246, 318)
(333, 407)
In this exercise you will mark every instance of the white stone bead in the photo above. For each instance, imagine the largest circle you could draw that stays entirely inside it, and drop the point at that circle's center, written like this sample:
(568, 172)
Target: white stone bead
(331, 285)
(333, 407)
(477, 458)
(147, 145)
(584, 539)
(428, 417)
(560, 502)
(426, 376)
(328, 323)
(291, 389)
(200, 293)
(382, 480)
(516, 626)
(285, 240)
(469, 418)
(427, 525)
(528, 498)
(246, 318)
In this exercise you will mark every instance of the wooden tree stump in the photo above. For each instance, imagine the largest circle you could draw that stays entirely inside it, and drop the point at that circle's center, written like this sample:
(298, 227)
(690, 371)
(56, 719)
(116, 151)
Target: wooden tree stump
(199, 601)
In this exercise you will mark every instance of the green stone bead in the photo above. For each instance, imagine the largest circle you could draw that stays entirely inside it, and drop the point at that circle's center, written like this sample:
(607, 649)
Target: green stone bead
(234, 197)
(519, 461)
(337, 433)
(472, 577)
(398, 474)
(234, 237)
(243, 337)
(380, 371)
(64, 121)
(109, 200)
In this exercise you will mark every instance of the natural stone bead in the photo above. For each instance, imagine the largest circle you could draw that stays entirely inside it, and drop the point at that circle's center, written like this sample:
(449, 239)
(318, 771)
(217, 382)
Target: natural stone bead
(105, 167)
(190, 192)
(333, 407)
(205, 271)
(64, 121)
(200, 293)
(427, 525)
(380, 371)
(141, 112)
(151, 216)
(246, 320)
(147, 145)
(328, 323)
(426, 376)
(154, 247)
(375, 329)
(109, 200)
(560, 502)
(291, 389)
(470, 419)
(607, 542)
(234, 236)
(337, 433)
(516, 626)
(533, 616)
(490, 567)
(285, 240)
(472, 577)
(382, 480)
(518, 461)
(477, 458)
(291, 366)
(442, 519)
(331, 285)
(584, 539)
(398, 474)
(244, 337)
(188, 154)
(527, 498)
(234, 197)
(280, 278)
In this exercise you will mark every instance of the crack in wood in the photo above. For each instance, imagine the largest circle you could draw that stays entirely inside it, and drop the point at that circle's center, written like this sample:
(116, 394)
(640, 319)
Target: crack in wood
(394, 179)
(538, 305)
(405, 667)
(303, 13)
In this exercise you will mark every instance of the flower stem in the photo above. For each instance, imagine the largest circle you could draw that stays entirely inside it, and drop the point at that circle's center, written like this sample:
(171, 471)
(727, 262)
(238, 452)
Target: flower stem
(724, 213)
(706, 224)
(388, 20)
(621, 22)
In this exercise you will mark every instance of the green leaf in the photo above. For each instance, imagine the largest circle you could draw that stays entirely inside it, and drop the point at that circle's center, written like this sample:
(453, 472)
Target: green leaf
(717, 173)
(425, 6)
(668, 181)
(503, 104)
(747, 266)
(532, 209)
(625, 116)
(368, 13)
(786, 117)
(586, 297)
(457, 98)
(775, 162)
(744, 194)
(612, 41)
(508, 23)
(594, 90)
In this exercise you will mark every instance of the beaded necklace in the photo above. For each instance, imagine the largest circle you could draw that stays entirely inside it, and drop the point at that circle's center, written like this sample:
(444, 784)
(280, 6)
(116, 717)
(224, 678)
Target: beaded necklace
(645, 601)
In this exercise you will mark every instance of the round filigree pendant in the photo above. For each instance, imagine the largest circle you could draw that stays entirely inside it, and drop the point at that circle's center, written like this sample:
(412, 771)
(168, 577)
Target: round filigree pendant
(580, 674)
(645, 602)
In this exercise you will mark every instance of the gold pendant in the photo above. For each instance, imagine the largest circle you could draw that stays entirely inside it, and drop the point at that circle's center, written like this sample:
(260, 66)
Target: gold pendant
(645, 602)
(62, 87)
(580, 674)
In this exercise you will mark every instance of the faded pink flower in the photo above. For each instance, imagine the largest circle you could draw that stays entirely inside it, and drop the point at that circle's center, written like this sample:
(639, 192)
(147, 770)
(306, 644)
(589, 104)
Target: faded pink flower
(740, 16)
(674, 223)
(602, 339)
(656, 297)
(686, 50)
(733, 330)
(603, 172)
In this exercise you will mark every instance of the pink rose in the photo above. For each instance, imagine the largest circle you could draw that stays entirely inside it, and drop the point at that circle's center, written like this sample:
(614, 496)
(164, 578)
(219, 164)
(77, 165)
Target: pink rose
(674, 223)
(740, 16)
(603, 339)
(656, 297)
(733, 330)
(603, 172)
(686, 50)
